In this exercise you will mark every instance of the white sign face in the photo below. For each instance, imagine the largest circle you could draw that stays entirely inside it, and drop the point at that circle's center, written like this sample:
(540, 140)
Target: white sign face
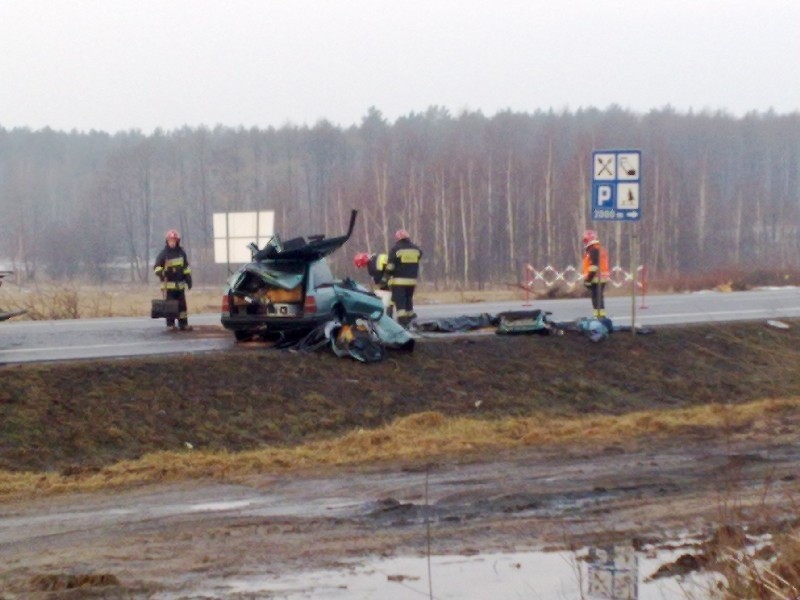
(233, 233)
(628, 195)
(605, 166)
(628, 166)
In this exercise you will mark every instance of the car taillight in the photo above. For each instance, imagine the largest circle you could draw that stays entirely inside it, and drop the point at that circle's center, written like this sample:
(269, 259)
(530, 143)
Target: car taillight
(310, 305)
(226, 305)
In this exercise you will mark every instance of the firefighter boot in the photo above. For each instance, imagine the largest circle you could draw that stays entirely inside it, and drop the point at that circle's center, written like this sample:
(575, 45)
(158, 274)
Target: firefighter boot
(171, 325)
(184, 325)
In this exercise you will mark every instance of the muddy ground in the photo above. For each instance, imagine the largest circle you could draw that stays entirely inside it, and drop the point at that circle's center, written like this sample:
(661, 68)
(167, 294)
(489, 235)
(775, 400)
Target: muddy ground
(186, 539)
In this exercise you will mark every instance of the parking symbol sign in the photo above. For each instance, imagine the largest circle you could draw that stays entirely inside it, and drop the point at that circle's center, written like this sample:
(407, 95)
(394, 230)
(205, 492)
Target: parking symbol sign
(616, 185)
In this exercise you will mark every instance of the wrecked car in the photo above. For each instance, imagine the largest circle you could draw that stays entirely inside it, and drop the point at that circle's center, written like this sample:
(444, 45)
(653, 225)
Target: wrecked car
(288, 292)
(287, 288)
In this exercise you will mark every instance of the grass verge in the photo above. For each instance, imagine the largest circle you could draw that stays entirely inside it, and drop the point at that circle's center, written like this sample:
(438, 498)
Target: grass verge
(427, 436)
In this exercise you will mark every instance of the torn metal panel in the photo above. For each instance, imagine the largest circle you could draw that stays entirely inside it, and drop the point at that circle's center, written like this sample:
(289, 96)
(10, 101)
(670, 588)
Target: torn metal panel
(523, 322)
(358, 341)
(308, 249)
(361, 329)
(284, 275)
(358, 302)
(393, 335)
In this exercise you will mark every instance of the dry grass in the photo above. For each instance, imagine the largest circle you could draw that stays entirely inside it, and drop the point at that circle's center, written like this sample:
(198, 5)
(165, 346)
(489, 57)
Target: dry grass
(83, 301)
(771, 573)
(422, 436)
(75, 300)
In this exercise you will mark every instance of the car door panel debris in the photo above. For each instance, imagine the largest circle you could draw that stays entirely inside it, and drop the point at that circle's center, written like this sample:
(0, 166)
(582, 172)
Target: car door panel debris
(524, 322)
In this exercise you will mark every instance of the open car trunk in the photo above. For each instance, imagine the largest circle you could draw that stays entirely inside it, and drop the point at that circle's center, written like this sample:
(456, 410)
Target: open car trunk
(269, 289)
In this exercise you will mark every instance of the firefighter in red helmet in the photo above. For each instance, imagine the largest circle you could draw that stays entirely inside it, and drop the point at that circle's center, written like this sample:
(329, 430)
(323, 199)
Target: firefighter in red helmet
(376, 268)
(172, 268)
(595, 271)
(361, 260)
(402, 270)
(376, 265)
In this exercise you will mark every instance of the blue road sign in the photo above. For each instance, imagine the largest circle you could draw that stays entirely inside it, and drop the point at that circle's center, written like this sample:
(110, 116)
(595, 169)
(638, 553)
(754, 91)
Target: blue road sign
(616, 185)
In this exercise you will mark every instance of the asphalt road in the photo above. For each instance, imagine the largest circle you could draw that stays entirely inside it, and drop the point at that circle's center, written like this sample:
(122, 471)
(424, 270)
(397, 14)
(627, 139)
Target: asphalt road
(39, 341)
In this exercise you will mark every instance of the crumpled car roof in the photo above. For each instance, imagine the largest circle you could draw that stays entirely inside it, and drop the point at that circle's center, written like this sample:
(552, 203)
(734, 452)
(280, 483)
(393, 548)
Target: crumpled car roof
(308, 250)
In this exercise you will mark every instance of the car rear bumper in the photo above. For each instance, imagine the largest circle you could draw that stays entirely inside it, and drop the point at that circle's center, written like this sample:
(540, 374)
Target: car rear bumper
(258, 323)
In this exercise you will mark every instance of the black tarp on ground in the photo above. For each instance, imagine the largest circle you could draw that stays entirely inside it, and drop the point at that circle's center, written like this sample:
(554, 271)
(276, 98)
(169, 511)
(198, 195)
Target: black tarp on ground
(456, 324)
(505, 323)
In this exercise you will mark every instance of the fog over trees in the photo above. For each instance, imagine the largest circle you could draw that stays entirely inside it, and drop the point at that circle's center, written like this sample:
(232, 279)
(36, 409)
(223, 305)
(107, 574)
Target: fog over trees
(481, 195)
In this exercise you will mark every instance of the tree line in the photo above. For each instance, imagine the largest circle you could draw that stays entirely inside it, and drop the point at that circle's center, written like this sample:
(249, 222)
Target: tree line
(481, 195)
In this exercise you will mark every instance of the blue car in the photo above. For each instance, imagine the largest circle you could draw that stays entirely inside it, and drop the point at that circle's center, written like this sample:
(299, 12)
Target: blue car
(288, 290)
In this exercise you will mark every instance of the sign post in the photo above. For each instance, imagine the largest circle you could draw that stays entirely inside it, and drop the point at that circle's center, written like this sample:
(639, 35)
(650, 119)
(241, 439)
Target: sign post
(616, 196)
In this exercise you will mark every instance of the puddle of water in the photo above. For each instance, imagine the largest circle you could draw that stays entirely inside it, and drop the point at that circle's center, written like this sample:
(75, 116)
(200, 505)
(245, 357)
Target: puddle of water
(524, 575)
(219, 506)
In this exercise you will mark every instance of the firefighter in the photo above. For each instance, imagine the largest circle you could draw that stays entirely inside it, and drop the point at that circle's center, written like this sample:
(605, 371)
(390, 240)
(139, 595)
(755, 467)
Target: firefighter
(595, 271)
(172, 268)
(401, 273)
(376, 268)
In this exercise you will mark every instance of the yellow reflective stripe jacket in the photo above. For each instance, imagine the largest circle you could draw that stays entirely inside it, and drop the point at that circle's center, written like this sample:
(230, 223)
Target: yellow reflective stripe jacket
(173, 265)
(403, 263)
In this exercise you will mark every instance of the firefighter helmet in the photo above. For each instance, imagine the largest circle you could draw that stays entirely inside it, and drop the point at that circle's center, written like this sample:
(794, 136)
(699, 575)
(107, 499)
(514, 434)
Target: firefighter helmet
(589, 238)
(360, 260)
(173, 234)
(401, 234)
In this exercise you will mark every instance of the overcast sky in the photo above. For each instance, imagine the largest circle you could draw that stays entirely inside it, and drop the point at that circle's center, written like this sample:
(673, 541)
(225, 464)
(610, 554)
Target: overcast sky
(116, 65)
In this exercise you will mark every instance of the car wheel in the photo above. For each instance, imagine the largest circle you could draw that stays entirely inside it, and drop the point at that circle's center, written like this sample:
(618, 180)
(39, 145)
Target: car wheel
(271, 336)
(338, 312)
(242, 335)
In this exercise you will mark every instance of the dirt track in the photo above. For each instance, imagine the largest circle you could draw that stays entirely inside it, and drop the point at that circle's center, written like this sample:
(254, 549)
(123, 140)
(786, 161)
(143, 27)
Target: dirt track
(177, 538)
(172, 540)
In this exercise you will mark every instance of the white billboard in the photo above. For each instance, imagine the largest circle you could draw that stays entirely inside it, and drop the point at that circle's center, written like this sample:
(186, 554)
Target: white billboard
(234, 232)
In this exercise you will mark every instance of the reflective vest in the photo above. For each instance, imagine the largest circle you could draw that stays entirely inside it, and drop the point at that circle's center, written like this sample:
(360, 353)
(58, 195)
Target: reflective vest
(595, 259)
(403, 265)
(376, 267)
(172, 267)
